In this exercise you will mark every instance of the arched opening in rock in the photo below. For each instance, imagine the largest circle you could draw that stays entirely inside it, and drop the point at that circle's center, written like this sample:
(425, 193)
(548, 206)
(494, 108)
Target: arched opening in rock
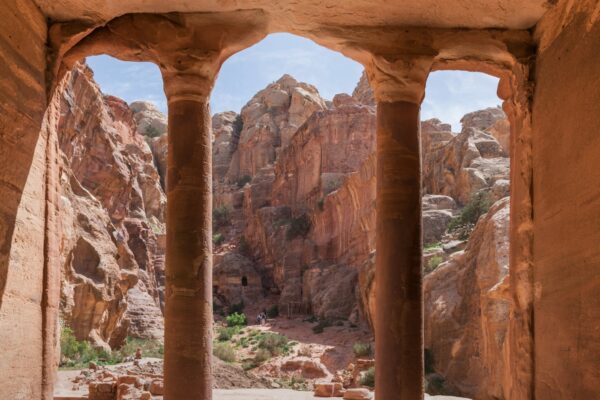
(298, 171)
(466, 210)
(112, 210)
(287, 164)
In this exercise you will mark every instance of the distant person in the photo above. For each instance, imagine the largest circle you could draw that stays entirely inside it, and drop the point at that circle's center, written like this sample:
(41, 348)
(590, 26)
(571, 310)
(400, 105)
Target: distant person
(262, 318)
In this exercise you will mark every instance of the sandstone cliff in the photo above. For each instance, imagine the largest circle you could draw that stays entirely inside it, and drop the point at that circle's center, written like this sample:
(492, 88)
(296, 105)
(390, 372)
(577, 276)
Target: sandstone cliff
(299, 213)
(112, 217)
(294, 218)
(298, 198)
(467, 305)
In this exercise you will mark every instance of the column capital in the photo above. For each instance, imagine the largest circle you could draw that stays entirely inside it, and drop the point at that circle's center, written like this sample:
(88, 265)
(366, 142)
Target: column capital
(399, 77)
(190, 76)
(189, 48)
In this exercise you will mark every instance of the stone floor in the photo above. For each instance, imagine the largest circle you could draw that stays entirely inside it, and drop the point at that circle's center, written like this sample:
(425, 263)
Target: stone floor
(279, 394)
(261, 394)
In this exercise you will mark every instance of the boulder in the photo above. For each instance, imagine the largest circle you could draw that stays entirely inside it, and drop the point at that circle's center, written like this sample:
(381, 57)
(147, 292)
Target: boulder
(149, 119)
(334, 389)
(467, 306)
(308, 368)
(435, 224)
(358, 394)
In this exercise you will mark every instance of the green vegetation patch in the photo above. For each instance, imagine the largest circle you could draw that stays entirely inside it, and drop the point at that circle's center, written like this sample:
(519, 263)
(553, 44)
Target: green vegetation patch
(79, 353)
(218, 239)
(275, 343)
(299, 226)
(236, 319)
(368, 378)
(225, 352)
(221, 217)
(362, 349)
(433, 263)
(464, 223)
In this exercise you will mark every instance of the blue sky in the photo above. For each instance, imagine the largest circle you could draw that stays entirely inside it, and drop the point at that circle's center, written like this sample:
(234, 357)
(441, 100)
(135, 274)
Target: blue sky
(449, 95)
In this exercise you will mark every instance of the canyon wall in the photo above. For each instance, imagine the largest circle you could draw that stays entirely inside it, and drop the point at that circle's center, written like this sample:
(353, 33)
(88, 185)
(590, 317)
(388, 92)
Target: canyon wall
(24, 331)
(294, 218)
(566, 147)
(112, 215)
(295, 176)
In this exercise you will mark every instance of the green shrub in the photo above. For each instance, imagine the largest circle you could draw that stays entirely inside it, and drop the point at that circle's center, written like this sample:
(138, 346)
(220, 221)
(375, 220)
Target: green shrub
(220, 216)
(273, 311)
(224, 351)
(368, 378)
(149, 348)
(430, 246)
(249, 364)
(362, 349)
(236, 319)
(78, 354)
(433, 263)
(244, 342)
(238, 125)
(464, 223)
(321, 204)
(152, 132)
(243, 180)
(75, 352)
(275, 343)
(226, 333)
(299, 226)
(218, 239)
(261, 356)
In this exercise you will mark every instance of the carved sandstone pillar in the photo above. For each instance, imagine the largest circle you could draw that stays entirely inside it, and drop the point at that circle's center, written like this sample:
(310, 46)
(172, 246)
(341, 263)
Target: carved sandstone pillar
(188, 306)
(399, 88)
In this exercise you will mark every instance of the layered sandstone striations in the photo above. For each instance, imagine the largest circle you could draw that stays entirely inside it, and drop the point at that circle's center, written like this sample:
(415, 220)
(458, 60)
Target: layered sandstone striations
(467, 306)
(299, 214)
(294, 216)
(112, 238)
(298, 198)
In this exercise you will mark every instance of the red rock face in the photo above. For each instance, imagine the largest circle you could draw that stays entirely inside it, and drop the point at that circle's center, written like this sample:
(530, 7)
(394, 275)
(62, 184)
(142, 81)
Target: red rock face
(294, 200)
(112, 218)
(467, 306)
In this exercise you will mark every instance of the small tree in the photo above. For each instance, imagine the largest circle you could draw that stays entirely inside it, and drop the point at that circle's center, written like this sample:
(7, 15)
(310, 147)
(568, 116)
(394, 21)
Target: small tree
(152, 132)
(464, 223)
(220, 216)
(299, 226)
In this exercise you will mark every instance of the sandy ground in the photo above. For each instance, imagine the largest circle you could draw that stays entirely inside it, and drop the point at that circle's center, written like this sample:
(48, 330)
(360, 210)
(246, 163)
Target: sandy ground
(63, 387)
(280, 394)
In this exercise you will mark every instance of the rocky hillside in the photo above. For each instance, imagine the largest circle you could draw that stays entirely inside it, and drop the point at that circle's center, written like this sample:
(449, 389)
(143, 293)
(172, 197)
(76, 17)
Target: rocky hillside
(112, 217)
(294, 219)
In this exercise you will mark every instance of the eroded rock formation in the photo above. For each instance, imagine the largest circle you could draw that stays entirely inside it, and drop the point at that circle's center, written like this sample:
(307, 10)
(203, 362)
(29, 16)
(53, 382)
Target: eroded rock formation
(467, 306)
(294, 200)
(112, 212)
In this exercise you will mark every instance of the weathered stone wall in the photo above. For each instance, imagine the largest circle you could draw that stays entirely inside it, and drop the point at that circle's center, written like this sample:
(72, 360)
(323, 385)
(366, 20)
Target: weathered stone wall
(22, 194)
(566, 150)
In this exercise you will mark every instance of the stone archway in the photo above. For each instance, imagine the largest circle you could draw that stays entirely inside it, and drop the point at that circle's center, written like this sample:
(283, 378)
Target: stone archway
(397, 63)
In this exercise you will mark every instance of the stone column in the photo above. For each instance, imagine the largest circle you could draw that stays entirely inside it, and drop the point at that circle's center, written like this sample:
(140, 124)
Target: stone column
(399, 89)
(188, 305)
